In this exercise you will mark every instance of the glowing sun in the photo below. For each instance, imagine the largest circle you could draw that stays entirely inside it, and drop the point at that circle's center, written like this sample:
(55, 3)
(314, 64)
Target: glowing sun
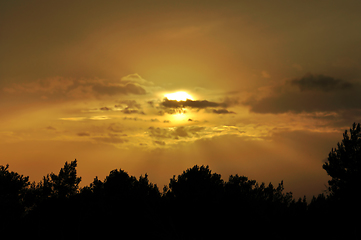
(178, 96)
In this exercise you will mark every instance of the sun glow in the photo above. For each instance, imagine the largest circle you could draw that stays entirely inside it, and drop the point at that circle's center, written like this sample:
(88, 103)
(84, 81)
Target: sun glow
(179, 96)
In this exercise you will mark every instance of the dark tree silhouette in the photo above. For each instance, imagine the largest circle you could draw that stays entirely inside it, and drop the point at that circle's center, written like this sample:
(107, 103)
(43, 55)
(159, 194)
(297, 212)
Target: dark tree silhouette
(344, 166)
(13, 190)
(196, 204)
(118, 184)
(194, 199)
(196, 184)
(62, 185)
(122, 202)
(53, 205)
(260, 205)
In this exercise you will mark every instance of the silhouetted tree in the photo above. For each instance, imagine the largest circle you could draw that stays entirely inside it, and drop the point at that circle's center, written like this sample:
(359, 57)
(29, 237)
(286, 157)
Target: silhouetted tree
(196, 184)
(197, 204)
(344, 166)
(122, 202)
(13, 189)
(54, 207)
(62, 185)
(259, 205)
(194, 201)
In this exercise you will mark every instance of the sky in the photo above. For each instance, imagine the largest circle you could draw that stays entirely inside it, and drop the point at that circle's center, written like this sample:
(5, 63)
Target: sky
(267, 87)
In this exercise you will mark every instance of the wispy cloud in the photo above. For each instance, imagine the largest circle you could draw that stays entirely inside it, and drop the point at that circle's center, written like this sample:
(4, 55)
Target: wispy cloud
(75, 88)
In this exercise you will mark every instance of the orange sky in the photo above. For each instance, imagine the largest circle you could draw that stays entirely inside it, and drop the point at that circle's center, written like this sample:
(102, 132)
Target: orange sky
(273, 85)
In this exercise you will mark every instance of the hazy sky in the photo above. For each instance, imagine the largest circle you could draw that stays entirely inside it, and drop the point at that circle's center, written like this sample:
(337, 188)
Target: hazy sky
(271, 87)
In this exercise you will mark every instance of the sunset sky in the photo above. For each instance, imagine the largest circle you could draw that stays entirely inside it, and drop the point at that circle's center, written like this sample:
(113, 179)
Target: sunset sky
(268, 87)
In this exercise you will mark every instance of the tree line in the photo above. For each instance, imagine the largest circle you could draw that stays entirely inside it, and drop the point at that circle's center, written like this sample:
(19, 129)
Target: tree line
(196, 204)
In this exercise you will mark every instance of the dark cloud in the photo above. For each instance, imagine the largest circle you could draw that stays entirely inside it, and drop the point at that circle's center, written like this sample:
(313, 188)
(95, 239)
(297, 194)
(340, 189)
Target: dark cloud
(134, 118)
(320, 83)
(50, 128)
(175, 133)
(313, 93)
(151, 103)
(162, 143)
(110, 90)
(173, 106)
(200, 104)
(126, 110)
(171, 111)
(159, 132)
(222, 111)
(132, 111)
(83, 134)
(129, 104)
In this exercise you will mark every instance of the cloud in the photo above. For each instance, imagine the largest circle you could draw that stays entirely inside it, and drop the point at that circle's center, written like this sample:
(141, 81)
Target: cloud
(129, 104)
(134, 118)
(131, 111)
(162, 143)
(174, 106)
(175, 133)
(136, 78)
(113, 127)
(126, 110)
(200, 104)
(171, 111)
(48, 85)
(105, 109)
(222, 111)
(115, 89)
(57, 87)
(311, 93)
(320, 83)
(83, 134)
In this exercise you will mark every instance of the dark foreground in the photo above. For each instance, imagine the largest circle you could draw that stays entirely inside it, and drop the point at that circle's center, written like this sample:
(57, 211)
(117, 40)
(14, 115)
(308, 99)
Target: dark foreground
(197, 204)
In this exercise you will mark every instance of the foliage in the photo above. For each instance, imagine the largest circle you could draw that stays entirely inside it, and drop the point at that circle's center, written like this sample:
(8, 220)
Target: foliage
(13, 189)
(344, 166)
(196, 184)
(61, 185)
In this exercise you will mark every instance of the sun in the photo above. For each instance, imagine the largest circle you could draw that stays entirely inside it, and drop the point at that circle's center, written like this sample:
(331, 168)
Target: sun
(178, 96)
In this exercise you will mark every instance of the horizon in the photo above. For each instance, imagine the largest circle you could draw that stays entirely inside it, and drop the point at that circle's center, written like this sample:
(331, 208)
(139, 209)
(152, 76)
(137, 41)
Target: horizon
(259, 89)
